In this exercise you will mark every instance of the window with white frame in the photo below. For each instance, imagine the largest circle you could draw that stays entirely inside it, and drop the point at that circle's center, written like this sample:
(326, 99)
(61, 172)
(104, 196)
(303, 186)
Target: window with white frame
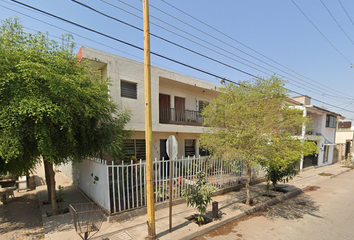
(128, 89)
(331, 121)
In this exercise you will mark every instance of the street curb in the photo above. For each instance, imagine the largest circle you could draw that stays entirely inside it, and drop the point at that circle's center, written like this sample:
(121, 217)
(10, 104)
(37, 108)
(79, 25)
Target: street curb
(248, 212)
(268, 203)
(335, 175)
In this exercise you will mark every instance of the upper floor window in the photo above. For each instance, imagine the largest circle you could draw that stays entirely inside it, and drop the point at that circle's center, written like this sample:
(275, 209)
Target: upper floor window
(331, 121)
(128, 90)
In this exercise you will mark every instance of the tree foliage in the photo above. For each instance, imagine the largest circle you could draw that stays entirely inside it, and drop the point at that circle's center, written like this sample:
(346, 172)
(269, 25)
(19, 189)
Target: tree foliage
(253, 121)
(51, 105)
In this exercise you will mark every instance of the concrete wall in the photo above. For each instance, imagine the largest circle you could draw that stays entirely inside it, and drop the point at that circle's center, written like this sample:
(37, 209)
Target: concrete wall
(162, 81)
(84, 174)
(344, 136)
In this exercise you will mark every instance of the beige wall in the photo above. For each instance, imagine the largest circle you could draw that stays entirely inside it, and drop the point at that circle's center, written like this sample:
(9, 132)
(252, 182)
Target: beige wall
(343, 137)
(162, 81)
(180, 137)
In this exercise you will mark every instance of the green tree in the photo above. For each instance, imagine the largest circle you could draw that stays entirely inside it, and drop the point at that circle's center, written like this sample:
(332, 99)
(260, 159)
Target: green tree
(51, 105)
(254, 122)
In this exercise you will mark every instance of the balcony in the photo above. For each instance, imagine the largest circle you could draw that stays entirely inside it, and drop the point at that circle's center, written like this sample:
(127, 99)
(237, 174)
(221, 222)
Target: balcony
(180, 116)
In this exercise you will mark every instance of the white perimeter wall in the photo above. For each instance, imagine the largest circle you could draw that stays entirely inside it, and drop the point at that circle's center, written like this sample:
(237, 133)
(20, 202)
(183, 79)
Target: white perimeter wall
(80, 174)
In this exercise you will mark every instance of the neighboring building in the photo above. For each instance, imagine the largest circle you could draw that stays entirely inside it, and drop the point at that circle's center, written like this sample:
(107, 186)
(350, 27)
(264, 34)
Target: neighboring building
(344, 139)
(177, 101)
(322, 131)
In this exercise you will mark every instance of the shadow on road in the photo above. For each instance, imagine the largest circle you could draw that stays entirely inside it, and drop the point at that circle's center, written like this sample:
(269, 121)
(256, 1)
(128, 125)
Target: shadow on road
(294, 208)
(21, 217)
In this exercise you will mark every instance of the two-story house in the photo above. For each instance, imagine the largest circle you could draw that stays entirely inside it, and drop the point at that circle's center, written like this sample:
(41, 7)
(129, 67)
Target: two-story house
(344, 139)
(322, 131)
(177, 101)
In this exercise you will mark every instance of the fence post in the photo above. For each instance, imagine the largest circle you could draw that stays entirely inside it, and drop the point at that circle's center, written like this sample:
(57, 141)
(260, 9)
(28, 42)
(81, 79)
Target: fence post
(132, 180)
(113, 187)
(123, 180)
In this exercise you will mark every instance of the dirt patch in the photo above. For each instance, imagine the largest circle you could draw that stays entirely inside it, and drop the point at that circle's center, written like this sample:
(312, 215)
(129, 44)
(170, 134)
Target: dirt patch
(252, 202)
(278, 189)
(59, 212)
(194, 219)
(228, 228)
(351, 167)
(311, 188)
(325, 174)
(270, 195)
(20, 217)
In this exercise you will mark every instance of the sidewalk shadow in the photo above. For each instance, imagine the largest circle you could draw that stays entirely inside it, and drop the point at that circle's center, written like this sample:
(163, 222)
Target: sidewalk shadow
(39, 181)
(179, 226)
(21, 213)
(119, 234)
(294, 208)
(58, 223)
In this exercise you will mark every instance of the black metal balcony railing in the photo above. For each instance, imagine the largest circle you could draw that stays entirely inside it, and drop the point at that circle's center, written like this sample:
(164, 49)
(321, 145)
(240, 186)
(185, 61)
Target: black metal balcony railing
(180, 116)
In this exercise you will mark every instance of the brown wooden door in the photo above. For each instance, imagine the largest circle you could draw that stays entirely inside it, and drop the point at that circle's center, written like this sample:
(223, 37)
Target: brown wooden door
(165, 108)
(180, 109)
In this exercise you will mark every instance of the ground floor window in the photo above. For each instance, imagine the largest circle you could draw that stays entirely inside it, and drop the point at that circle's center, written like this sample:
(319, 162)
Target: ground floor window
(136, 148)
(189, 147)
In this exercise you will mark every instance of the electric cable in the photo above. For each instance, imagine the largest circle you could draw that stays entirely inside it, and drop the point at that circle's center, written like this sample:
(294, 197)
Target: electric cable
(337, 22)
(188, 49)
(346, 12)
(153, 53)
(235, 40)
(321, 33)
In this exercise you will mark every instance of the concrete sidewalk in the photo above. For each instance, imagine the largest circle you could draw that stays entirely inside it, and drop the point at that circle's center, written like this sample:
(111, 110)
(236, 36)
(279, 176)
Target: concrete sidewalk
(230, 208)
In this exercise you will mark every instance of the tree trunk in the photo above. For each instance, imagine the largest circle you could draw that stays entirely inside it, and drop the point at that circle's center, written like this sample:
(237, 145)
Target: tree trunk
(248, 187)
(47, 179)
(51, 186)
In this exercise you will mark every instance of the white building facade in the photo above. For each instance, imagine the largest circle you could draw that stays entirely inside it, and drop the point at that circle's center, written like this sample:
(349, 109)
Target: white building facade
(322, 131)
(176, 103)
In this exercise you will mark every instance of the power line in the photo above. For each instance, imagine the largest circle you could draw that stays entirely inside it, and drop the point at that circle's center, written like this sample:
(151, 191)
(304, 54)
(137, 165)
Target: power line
(156, 54)
(89, 39)
(313, 91)
(337, 22)
(346, 12)
(194, 37)
(124, 42)
(321, 32)
(159, 37)
(235, 40)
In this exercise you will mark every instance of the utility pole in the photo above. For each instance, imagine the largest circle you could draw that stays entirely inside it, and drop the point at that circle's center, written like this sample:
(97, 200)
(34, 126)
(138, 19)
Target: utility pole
(148, 126)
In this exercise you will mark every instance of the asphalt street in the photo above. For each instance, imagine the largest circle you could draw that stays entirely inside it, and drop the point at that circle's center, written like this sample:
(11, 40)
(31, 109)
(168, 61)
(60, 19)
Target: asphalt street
(325, 212)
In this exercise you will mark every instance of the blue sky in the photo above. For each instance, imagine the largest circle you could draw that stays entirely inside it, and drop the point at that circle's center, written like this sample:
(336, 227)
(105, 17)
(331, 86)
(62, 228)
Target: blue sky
(259, 37)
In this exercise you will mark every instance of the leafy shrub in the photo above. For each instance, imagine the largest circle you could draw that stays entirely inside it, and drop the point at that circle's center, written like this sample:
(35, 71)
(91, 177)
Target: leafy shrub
(199, 195)
(276, 173)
